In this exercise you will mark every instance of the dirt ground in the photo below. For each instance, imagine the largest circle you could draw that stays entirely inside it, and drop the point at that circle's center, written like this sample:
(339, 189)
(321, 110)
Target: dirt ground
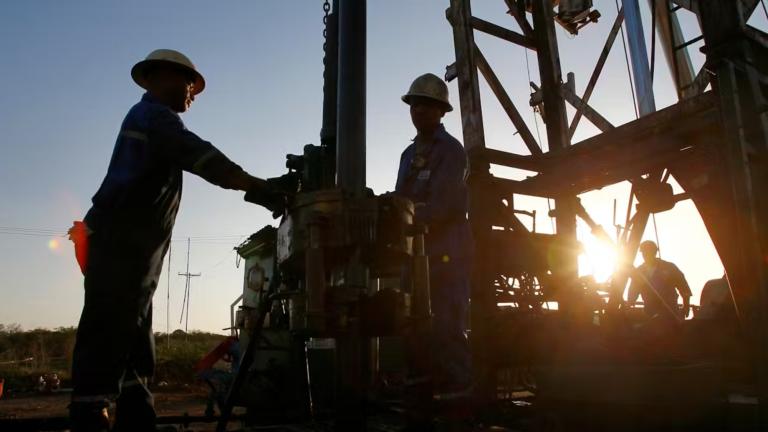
(168, 402)
(178, 401)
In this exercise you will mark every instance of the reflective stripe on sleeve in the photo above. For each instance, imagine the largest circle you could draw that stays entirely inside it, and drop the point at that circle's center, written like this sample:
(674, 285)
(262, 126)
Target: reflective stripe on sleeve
(141, 136)
(142, 381)
(203, 159)
(96, 398)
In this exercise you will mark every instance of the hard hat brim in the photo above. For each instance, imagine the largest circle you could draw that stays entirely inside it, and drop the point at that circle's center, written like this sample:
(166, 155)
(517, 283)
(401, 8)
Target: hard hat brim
(139, 72)
(406, 98)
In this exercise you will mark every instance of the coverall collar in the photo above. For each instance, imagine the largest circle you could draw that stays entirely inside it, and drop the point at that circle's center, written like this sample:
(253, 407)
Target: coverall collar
(146, 97)
(439, 130)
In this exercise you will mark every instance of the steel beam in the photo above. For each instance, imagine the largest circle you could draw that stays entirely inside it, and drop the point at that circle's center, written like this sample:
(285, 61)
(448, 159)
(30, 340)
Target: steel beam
(556, 118)
(595, 117)
(483, 303)
(512, 160)
(628, 151)
(744, 155)
(517, 10)
(502, 33)
(671, 34)
(598, 70)
(567, 92)
(506, 103)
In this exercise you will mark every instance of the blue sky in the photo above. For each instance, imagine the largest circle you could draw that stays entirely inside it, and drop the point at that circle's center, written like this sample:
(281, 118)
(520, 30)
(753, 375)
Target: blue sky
(65, 86)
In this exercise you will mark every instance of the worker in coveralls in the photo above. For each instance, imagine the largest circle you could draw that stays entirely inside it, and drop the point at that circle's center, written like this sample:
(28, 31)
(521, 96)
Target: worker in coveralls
(433, 173)
(121, 243)
(659, 283)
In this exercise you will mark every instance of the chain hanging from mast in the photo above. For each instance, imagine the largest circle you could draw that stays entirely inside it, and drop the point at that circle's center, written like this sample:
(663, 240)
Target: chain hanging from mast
(326, 11)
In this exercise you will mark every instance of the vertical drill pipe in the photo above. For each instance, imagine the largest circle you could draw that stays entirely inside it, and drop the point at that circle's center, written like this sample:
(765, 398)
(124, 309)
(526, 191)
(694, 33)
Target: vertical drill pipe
(350, 150)
(557, 131)
(350, 177)
(671, 35)
(640, 67)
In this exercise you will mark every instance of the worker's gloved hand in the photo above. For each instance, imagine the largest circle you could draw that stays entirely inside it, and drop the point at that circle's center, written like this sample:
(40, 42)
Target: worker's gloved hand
(79, 233)
(262, 193)
(685, 311)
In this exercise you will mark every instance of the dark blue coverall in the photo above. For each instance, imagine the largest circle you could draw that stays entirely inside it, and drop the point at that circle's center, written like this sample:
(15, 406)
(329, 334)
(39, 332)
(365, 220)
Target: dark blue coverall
(131, 220)
(433, 175)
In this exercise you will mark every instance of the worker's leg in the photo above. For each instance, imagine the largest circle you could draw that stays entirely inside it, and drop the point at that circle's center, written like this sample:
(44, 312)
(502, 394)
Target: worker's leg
(119, 283)
(135, 405)
(418, 385)
(449, 282)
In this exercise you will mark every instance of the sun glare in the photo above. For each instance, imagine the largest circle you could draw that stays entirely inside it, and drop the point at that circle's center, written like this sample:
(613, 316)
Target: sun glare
(598, 259)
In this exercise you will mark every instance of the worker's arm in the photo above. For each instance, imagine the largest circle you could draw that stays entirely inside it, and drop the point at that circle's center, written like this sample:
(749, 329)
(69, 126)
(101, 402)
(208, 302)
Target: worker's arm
(194, 154)
(684, 289)
(634, 288)
(447, 200)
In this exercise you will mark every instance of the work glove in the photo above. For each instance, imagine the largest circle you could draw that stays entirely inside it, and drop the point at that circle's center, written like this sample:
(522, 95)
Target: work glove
(262, 193)
(79, 233)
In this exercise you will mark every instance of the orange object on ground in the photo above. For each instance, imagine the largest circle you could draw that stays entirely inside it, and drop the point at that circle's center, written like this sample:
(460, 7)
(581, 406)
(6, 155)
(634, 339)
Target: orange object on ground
(215, 355)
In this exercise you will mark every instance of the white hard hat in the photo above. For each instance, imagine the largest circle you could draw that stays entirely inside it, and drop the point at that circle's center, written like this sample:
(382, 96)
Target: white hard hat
(139, 70)
(429, 86)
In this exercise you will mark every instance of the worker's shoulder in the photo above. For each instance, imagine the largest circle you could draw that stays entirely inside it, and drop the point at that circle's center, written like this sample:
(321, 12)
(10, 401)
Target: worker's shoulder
(448, 141)
(669, 266)
(145, 111)
(408, 150)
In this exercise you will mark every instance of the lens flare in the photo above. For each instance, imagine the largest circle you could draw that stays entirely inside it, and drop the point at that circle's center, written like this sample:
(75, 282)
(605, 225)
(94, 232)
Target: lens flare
(54, 244)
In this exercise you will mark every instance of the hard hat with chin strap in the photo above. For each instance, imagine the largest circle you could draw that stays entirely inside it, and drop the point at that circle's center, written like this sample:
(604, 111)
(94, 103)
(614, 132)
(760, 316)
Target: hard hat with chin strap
(166, 56)
(429, 86)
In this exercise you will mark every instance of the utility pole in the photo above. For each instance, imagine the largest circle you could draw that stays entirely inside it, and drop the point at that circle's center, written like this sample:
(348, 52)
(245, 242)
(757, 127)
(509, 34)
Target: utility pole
(187, 292)
(168, 300)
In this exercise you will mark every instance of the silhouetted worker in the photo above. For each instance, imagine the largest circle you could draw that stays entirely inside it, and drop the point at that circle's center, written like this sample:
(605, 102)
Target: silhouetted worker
(126, 234)
(659, 283)
(716, 301)
(433, 172)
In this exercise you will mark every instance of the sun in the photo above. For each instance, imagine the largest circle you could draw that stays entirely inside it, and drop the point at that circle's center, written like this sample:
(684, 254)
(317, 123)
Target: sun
(598, 258)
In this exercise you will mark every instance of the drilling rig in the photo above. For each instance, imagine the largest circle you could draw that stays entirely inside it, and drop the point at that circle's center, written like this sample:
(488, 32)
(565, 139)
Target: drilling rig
(321, 276)
(324, 274)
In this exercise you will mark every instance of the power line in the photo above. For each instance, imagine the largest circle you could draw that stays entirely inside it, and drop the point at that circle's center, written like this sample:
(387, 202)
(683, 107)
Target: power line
(29, 234)
(762, 2)
(8, 228)
(535, 119)
(46, 232)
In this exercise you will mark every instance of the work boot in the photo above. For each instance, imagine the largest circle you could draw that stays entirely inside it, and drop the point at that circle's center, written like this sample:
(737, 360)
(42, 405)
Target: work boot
(85, 417)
